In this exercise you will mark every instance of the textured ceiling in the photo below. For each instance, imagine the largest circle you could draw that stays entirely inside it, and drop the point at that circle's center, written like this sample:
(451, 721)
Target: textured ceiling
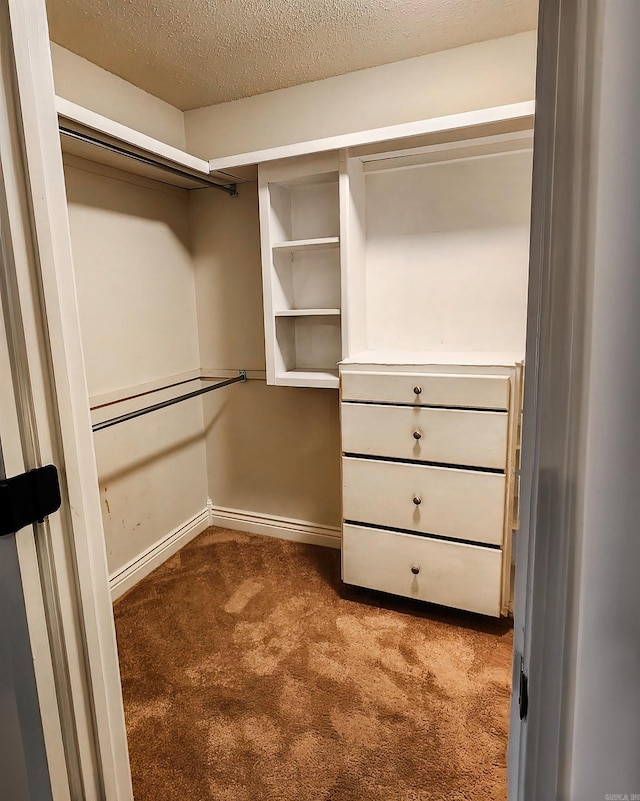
(195, 53)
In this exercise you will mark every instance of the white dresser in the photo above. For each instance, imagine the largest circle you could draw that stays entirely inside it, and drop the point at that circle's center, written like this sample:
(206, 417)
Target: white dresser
(429, 481)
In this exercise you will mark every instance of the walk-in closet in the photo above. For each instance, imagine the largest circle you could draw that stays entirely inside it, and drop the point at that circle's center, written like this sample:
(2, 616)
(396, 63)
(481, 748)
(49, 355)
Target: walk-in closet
(300, 243)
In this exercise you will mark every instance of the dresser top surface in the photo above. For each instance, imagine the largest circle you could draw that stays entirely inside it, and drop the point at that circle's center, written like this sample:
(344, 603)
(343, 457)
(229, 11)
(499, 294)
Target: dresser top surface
(432, 359)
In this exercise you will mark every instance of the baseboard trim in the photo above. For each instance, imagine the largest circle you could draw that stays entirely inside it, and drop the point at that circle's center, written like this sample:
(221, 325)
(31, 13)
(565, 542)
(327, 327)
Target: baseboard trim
(135, 570)
(283, 528)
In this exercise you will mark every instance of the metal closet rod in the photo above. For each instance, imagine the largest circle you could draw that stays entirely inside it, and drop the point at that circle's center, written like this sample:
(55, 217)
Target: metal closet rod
(242, 377)
(230, 189)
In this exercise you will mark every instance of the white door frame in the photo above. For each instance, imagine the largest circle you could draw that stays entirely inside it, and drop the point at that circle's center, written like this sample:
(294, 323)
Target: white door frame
(80, 692)
(554, 405)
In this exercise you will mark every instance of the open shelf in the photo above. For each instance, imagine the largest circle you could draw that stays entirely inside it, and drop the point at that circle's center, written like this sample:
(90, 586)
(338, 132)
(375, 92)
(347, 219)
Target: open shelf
(302, 245)
(300, 233)
(304, 214)
(323, 379)
(306, 279)
(306, 346)
(308, 313)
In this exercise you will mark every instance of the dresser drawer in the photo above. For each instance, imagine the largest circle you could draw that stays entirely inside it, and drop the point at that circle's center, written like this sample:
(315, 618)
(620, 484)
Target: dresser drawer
(449, 436)
(452, 574)
(449, 502)
(467, 391)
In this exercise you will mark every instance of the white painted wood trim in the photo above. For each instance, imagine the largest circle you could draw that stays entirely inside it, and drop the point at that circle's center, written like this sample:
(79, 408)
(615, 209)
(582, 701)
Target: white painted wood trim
(569, 64)
(321, 379)
(308, 313)
(134, 571)
(97, 122)
(266, 260)
(451, 122)
(321, 243)
(426, 360)
(460, 149)
(284, 528)
(86, 637)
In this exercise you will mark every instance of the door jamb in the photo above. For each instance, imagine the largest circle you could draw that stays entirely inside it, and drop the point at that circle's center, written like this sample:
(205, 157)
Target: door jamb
(77, 588)
(555, 404)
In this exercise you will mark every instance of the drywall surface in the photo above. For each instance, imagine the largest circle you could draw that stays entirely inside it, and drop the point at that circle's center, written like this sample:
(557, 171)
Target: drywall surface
(202, 52)
(136, 298)
(82, 82)
(275, 451)
(447, 252)
(490, 73)
(271, 450)
(225, 242)
(606, 725)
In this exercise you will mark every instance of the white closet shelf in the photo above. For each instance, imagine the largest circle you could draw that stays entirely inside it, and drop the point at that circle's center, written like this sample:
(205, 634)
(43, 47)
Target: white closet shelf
(299, 245)
(97, 138)
(308, 313)
(324, 379)
(483, 122)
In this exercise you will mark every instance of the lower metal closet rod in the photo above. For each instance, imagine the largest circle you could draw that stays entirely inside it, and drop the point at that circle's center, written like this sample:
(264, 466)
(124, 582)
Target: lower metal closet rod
(163, 404)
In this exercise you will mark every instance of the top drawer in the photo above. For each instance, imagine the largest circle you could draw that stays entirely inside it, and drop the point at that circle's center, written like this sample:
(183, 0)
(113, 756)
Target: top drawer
(433, 389)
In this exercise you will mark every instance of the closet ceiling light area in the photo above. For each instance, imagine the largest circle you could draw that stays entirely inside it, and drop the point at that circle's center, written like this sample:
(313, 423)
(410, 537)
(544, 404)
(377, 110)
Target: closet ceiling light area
(205, 52)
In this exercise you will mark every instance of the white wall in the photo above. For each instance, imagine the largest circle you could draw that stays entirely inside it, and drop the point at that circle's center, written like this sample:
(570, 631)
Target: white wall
(136, 297)
(82, 82)
(271, 450)
(475, 76)
(605, 747)
(447, 252)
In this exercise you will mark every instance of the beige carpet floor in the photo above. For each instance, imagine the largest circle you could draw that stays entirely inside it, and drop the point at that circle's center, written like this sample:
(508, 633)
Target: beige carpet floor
(250, 673)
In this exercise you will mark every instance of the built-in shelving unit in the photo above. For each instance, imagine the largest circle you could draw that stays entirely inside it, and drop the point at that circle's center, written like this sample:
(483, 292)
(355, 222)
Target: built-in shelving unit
(406, 263)
(411, 239)
(300, 230)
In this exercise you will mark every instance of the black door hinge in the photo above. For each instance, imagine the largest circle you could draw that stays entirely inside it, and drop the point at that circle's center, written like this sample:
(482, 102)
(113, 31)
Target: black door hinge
(28, 498)
(524, 693)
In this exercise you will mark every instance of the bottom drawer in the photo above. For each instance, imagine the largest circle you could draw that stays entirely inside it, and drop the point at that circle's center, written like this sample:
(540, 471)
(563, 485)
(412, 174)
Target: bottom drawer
(452, 574)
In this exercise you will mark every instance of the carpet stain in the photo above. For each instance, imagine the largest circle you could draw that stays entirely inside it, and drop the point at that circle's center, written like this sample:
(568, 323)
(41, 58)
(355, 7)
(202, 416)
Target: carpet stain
(251, 673)
(241, 597)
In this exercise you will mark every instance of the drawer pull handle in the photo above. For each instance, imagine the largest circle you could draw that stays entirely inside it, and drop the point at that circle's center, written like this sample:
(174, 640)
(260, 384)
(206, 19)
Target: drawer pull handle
(415, 570)
(417, 390)
(417, 500)
(417, 435)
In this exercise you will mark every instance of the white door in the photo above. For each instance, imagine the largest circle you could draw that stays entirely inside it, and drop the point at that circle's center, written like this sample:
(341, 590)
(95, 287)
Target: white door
(23, 755)
(64, 715)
